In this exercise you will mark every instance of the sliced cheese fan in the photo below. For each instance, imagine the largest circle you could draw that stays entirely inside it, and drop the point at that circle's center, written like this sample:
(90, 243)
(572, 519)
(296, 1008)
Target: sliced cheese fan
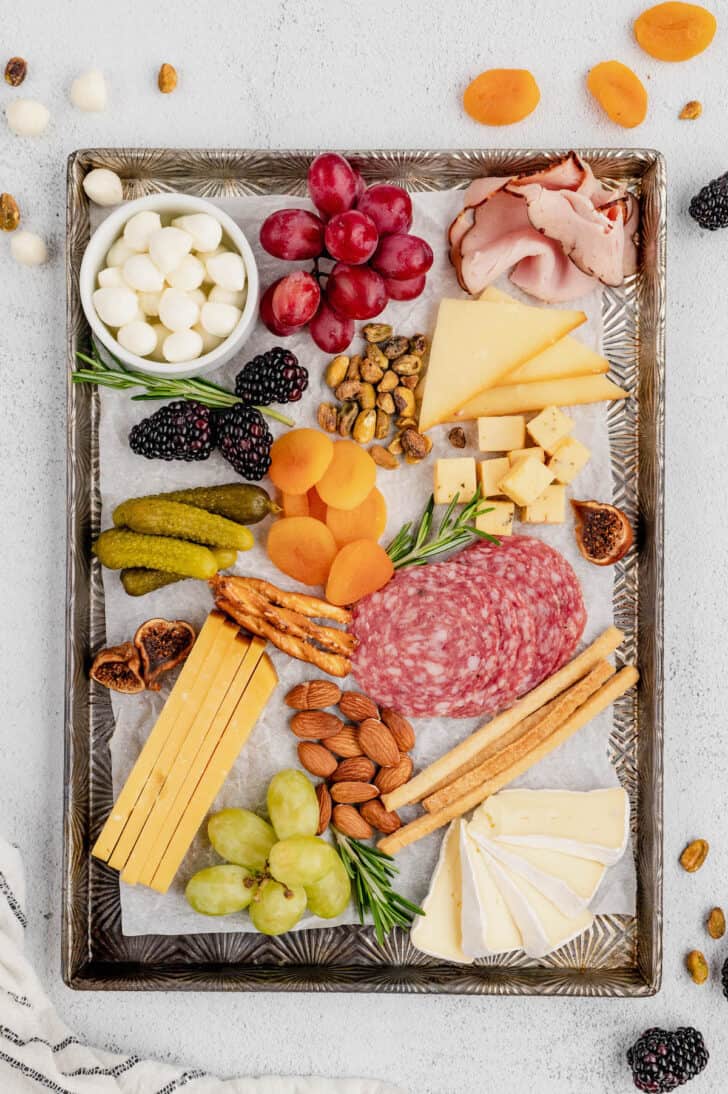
(439, 932)
(487, 926)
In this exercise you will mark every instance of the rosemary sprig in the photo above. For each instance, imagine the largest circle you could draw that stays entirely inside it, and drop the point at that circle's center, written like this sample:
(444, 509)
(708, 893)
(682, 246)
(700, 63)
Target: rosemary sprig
(159, 387)
(416, 545)
(371, 873)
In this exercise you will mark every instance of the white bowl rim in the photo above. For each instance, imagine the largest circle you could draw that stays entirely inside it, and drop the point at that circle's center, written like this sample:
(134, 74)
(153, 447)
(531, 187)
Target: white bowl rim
(111, 228)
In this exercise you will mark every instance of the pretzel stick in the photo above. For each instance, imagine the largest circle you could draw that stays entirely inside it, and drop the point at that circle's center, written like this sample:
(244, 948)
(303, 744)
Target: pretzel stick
(290, 622)
(332, 663)
(310, 606)
(446, 768)
(543, 725)
(430, 822)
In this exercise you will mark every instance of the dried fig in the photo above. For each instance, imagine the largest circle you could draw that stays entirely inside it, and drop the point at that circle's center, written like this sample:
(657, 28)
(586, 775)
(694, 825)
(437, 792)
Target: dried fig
(162, 644)
(118, 668)
(603, 533)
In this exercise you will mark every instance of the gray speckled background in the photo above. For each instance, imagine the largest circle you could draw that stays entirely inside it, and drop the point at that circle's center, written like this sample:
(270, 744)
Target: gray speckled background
(328, 74)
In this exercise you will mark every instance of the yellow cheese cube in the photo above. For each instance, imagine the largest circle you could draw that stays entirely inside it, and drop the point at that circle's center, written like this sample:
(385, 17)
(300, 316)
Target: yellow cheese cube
(568, 460)
(526, 481)
(526, 453)
(550, 508)
(502, 433)
(550, 427)
(455, 476)
(499, 521)
(490, 473)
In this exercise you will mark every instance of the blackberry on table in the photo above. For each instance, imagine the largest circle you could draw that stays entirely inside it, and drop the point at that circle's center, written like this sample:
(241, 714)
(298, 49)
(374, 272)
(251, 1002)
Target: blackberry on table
(272, 377)
(177, 431)
(662, 1060)
(244, 440)
(709, 207)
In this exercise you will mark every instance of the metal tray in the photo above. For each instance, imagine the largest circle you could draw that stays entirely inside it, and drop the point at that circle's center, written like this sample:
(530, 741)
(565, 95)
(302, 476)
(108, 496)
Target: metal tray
(620, 955)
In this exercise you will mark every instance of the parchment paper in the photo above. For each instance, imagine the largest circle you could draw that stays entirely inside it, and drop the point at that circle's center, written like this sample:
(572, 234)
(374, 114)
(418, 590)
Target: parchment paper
(581, 764)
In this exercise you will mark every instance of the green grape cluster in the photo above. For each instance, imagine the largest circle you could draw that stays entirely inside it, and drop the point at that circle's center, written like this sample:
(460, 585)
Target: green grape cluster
(276, 870)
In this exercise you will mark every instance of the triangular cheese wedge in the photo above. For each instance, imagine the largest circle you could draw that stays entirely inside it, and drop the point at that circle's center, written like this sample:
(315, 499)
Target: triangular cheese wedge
(438, 931)
(487, 924)
(511, 398)
(553, 887)
(582, 875)
(477, 343)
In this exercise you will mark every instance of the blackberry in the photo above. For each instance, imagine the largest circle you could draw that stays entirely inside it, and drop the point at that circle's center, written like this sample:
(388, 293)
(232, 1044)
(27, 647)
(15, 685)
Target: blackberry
(662, 1060)
(272, 377)
(177, 431)
(710, 206)
(244, 440)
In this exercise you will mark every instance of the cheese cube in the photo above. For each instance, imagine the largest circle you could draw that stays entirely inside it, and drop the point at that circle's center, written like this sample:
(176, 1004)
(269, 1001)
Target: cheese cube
(526, 481)
(524, 453)
(499, 520)
(490, 473)
(501, 434)
(568, 460)
(549, 508)
(549, 428)
(455, 476)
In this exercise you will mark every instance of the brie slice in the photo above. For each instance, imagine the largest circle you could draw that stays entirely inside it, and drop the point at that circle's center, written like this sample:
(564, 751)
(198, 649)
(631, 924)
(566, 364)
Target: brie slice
(487, 924)
(549, 885)
(438, 932)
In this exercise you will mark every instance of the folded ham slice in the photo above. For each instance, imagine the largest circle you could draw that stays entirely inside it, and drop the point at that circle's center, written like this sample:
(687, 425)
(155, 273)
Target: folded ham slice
(551, 276)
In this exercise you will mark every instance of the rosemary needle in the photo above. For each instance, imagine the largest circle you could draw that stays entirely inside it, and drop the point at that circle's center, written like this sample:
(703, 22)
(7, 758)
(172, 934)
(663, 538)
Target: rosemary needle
(371, 873)
(417, 546)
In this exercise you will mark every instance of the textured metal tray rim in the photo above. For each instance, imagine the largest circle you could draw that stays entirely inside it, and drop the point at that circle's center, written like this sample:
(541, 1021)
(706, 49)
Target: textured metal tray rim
(82, 969)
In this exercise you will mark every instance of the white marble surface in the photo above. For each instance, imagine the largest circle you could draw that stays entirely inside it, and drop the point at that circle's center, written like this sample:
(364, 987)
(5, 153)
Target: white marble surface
(327, 74)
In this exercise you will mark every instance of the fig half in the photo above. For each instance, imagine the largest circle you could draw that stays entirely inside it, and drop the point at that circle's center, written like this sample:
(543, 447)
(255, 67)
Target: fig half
(603, 533)
(162, 644)
(118, 668)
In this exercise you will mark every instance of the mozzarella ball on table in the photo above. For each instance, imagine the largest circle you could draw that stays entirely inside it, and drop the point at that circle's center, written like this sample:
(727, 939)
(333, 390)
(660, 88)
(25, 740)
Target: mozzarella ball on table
(167, 248)
(141, 274)
(88, 91)
(28, 249)
(206, 232)
(26, 117)
(219, 319)
(218, 295)
(115, 306)
(139, 229)
(111, 278)
(138, 337)
(182, 345)
(177, 310)
(188, 275)
(227, 270)
(103, 186)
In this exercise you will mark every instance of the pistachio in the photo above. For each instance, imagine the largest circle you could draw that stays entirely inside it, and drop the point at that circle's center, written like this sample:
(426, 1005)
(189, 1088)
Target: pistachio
(404, 400)
(694, 855)
(350, 389)
(408, 365)
(375, 355)
(716, 923)
(414, 444)
(409, 381)
(456, 437)
(167, 79)
(381, 429)
(377, 332)
(15, 71)
(691, 110)
(697, 966)
(388, 382)
(406, 423)
(395, 347)
(327, 416)
(395, 446)
(418, 344)
(9, 213)
(367, 397)
(371, 372)
(385, 402)
(363, 431)
(383, 458)
(353, 372)
(336, 371)
(348, 413)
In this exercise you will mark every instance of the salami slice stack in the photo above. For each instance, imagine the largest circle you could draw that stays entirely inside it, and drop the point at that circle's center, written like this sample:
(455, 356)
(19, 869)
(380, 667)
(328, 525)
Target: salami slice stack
(469, 636)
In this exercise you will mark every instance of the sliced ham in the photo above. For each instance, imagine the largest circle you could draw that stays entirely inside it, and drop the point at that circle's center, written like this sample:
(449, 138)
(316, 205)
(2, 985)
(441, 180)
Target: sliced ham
(551, 276)
(568, 173)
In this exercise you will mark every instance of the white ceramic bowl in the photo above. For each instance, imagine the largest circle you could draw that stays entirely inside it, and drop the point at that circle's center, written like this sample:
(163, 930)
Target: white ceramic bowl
(94, 259)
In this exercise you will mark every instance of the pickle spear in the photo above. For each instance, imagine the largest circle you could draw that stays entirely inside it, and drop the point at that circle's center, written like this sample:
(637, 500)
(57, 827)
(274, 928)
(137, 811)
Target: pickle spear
(138, 581)
(118, 549)
(239, 501)
(174, 518)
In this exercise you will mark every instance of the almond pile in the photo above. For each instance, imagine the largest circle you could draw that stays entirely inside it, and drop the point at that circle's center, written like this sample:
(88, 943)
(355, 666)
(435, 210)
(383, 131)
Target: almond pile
(360, 751)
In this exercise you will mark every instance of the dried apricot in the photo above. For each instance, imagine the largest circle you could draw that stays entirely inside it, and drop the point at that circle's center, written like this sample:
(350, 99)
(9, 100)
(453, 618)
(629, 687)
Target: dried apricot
(675, 31)
(295, 505)
(299, 459)
(367, 521)
(360, 568)
(349, 477)
(619, 92)
(316, 508)
(303, 548)
(501, 96)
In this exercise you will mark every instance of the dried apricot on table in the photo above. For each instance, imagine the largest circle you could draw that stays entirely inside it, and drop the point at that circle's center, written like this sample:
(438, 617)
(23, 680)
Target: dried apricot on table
(675, 31)
(295, 505)
(501, 96)
(366, 521)
(619, 92)
(360, 568)
(303, 548)
(349, 477)
(299, 459)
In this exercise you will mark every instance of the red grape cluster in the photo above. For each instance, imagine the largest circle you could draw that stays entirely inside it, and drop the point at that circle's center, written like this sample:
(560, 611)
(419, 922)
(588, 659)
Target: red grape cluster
(364, 233)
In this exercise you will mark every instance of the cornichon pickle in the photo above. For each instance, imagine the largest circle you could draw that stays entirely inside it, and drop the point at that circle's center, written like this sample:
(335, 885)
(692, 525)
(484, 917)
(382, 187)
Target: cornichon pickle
(139, 582)
(239, 501)
(118, 549)
(174, 518)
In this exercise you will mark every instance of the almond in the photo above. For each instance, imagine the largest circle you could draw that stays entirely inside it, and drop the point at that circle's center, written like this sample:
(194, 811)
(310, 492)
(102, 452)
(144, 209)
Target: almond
(345, 742)
(389, 778)
(400, 729)
(316, 759)
(349, 793)
(356, 706)
(356, 769)
(378, 743)
(313, 695)
(315, 724)
(376, 815)
(350, 822)
(324, 800)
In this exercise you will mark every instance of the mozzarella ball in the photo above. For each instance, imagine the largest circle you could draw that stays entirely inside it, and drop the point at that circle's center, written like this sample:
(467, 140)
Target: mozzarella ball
(218, 295)
(198, 296)
(28, 249)
(149, 302)
(188, 275)
(140, 228)
(110, 278)
(137, 337)
(177, 311)
(115, 306)
(209, 341)
(26, 117)
(168, 247)
(204, 229)
(219, 319)
(88, 91)
(227, 270)
(141, 274)
(161, 333)
(103, 186)
(183, 345)
(119, 252)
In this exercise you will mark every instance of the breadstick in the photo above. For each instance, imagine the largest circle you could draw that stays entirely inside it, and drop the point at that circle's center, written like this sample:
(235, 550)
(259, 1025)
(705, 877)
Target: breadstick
(332, 663)
(289, 622)
(310, 606)
(430, 822)
(543, 725)
(446, 768)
